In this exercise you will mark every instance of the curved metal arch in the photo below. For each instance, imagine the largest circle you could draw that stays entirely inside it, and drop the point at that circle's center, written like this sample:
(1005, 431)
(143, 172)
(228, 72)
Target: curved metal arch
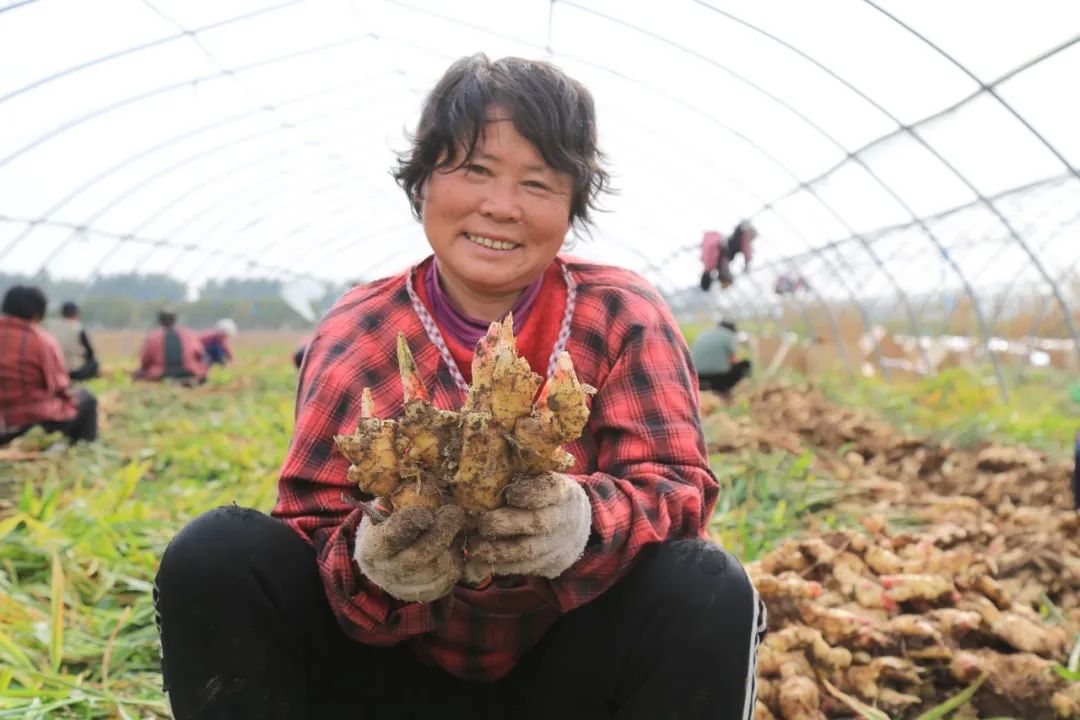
(265, 200)
(176, 139)
(162, 172)
(349, 236)
(134, 49)
(202, 184)
(644, 258)
(1005, 292)
(751, 277)
(912, 320)
(1066, 312)
(146, 241)
(790, 261)
(721, 297)
(224, 74)
(794, 230)
(852, 157)
(16, 4)
(213, 269)
(306, 227)
(1067, 272)
(906, 131)
(142, 261)
(256, 204)
(224, 202)
(146, 221)
(207, 152)
(738, 184)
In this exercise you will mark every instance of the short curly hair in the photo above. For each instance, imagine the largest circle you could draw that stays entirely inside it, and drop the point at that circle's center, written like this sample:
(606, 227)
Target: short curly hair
(551, 110)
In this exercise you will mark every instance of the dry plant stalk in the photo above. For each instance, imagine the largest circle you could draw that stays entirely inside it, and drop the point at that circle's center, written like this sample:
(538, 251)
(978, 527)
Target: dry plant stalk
(429, 457)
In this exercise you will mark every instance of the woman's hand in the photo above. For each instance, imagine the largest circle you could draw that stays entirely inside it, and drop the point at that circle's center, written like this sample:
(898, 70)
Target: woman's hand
(541, 530)
(415, 554)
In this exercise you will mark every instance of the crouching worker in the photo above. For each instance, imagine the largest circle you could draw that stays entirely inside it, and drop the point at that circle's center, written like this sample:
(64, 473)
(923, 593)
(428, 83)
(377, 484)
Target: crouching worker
(79, 355)
(34, 385)
(718, 366)
(592, 592)
(215, 342)
(172, 352)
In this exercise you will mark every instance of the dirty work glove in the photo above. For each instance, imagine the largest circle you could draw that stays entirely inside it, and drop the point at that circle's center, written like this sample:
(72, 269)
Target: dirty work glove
(415, 554)
(541, 530)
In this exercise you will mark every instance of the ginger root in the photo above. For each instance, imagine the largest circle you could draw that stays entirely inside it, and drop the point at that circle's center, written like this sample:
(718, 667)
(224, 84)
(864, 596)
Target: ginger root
(429, 456)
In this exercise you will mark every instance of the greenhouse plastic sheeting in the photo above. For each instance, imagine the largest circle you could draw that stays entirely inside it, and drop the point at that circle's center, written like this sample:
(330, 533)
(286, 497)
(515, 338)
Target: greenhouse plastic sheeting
(884, 150)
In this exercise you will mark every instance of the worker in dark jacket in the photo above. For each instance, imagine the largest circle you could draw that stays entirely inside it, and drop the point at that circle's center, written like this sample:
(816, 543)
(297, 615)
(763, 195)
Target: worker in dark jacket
(79, 355)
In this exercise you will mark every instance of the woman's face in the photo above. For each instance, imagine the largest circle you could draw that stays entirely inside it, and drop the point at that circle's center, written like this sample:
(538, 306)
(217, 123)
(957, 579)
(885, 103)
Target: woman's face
(497, 223)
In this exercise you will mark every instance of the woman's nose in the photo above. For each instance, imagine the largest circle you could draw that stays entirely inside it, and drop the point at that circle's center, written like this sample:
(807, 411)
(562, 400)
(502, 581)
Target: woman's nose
(501, 203)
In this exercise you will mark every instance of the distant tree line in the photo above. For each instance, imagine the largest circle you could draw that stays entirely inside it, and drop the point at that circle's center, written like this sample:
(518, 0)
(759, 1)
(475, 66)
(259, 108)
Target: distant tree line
(133, 300)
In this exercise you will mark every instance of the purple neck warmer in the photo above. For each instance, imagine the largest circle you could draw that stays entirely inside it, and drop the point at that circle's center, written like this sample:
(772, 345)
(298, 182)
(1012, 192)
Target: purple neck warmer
(462, 328)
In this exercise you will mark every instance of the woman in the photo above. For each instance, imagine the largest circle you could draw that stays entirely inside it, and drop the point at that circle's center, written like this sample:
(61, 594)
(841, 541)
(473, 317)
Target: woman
(172, 352)
(602, 599)
(718, 254)
(34, 385)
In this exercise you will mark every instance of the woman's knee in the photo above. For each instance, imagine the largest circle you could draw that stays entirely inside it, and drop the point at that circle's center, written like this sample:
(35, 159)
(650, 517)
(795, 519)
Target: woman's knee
(219, 542)
(86, 398)
(700, 579)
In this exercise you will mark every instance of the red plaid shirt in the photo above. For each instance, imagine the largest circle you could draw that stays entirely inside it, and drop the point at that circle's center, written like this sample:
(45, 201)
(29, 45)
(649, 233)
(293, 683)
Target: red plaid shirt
(642, 461)
(152, 356)
(34, 384)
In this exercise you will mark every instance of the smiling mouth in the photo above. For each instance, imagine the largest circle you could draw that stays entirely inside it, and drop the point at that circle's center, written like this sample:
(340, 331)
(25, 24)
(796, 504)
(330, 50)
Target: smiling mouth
(489, 243)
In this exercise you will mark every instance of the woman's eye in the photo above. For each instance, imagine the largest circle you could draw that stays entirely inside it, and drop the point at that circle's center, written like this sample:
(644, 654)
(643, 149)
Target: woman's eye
(536, 184)
(473, 168)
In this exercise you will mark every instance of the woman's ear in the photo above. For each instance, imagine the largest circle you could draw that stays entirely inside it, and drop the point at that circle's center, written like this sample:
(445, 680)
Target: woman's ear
(421, 192)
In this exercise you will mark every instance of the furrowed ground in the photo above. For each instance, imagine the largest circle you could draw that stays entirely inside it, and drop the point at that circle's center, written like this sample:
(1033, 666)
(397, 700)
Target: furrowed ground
(848, 524)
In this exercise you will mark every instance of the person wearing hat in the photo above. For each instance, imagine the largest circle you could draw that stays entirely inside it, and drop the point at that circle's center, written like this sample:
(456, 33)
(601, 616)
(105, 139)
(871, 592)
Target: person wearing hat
(34, 385)
(215, 342)
(75, 343)
(172, 352)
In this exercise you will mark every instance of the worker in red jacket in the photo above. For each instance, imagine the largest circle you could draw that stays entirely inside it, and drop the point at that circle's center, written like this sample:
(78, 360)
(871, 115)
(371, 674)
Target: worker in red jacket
(34, 385)
(593, 592)
(717, 254)
(172, 352)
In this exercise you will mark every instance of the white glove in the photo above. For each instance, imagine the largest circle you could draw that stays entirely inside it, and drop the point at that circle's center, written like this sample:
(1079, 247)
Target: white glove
(415, 554)
(542, 530)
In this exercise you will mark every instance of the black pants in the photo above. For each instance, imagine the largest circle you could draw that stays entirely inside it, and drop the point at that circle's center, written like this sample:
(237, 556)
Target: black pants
(724, 382)
(81, 427)
(88, 370)
(247, 633)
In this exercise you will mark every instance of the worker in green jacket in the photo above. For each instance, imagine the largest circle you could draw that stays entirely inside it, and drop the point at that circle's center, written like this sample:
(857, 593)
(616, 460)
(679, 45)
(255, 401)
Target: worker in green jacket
(718, 367)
